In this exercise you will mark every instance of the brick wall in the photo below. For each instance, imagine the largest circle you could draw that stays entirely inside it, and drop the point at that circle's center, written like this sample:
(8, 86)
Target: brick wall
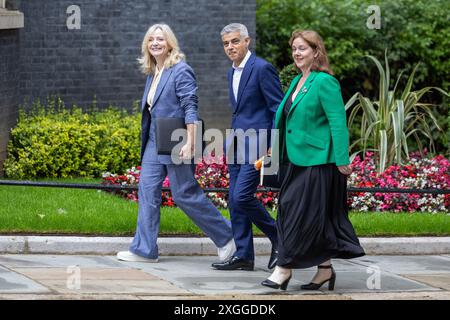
(45, 58)
(100, 58)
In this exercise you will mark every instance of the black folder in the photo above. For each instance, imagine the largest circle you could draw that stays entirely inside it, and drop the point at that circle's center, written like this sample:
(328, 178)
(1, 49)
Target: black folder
(164, 129)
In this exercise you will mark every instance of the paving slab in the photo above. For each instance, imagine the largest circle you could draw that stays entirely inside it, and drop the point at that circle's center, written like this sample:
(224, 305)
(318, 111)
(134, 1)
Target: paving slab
(99, 281)
(436, 280)
(355, 276)
(63, 261)
(135, 287)
(407, 264)
(22, 296)
(182, 277)
(12, 282)
(198, 277)
(361, 281)
(86, 274)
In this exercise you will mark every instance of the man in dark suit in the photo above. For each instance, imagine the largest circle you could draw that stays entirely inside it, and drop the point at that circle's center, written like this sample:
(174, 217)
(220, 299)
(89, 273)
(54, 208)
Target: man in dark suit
(255, 94)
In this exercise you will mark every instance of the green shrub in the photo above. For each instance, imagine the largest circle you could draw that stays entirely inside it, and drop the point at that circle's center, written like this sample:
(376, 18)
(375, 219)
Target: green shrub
(412, 31)
(52, 141)
(287, 75)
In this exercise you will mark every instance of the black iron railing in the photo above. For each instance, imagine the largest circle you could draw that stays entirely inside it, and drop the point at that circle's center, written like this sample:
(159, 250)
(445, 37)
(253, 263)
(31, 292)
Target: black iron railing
(206, 190)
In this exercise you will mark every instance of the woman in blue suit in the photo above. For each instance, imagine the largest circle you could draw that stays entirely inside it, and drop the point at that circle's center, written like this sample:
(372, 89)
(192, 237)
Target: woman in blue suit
(170, 92)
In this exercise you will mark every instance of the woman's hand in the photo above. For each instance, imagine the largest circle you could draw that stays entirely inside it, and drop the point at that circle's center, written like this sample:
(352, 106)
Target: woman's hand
(187, 151)
(347, 170)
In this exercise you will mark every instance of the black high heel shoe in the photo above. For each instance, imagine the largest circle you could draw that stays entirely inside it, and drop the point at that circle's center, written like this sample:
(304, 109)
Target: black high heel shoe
(274, 285)
(316, 286)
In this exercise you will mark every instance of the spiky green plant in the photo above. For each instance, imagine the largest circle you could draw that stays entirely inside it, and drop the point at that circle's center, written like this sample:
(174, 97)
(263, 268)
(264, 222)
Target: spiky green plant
(395, 117)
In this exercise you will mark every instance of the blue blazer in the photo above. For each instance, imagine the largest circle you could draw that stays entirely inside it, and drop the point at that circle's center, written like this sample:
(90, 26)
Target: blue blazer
(175, 97)
(259, 95)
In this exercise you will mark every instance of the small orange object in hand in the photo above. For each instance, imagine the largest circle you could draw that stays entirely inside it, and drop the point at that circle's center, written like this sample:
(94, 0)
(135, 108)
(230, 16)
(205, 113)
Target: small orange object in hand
(259, 163)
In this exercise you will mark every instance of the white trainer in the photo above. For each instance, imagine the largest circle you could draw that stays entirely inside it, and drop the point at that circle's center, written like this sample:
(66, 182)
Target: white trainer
(130, 256)
(226, 251)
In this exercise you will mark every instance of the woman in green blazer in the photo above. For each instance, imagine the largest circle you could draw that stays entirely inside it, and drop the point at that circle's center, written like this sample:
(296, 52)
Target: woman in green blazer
(312, 223)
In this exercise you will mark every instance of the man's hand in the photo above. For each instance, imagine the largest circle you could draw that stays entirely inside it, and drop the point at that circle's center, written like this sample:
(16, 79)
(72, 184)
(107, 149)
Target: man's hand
(259, 163)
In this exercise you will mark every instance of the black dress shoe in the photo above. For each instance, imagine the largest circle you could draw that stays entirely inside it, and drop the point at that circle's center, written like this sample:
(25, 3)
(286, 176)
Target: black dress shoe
(274, 285)
(316, 286)
(273, 258)
(234, 263)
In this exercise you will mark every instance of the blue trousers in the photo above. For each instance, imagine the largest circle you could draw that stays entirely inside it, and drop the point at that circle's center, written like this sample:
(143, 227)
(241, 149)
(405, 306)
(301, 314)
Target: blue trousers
(188, 196)
(245, 209)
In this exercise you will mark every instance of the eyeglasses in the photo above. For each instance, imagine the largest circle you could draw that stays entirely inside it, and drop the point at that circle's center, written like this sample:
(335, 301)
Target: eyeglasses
(233, 42)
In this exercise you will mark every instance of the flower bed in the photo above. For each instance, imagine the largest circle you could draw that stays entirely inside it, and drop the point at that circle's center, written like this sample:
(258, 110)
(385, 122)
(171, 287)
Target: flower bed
(419, 173)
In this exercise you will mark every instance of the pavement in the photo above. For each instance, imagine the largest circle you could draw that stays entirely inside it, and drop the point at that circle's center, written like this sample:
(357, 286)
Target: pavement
(51, 273)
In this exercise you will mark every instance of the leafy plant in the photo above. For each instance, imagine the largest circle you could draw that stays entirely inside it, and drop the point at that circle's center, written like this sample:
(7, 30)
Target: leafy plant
(287, 75)
(397, 116)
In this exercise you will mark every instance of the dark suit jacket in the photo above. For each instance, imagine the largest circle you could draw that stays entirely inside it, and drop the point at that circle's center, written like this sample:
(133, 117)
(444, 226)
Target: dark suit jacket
(259, 96)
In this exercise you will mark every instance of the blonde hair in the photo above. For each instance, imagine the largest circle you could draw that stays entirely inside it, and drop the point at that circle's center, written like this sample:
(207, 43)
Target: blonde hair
(148, 62)
(314, 40)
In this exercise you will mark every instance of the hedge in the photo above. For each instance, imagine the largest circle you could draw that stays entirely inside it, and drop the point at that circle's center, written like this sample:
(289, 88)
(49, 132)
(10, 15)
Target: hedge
(52, 141)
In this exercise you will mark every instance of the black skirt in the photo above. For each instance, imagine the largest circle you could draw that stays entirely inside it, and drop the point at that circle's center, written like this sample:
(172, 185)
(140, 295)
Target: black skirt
(313, 224)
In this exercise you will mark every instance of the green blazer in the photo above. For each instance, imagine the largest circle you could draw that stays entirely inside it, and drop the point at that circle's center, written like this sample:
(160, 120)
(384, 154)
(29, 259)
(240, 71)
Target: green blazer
(315, 130)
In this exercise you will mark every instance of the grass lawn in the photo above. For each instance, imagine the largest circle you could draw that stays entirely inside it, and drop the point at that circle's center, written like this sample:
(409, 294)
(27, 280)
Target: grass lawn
(33, 210)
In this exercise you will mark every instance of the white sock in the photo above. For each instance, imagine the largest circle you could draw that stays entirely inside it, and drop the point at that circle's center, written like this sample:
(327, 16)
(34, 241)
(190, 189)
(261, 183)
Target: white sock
(280, 274)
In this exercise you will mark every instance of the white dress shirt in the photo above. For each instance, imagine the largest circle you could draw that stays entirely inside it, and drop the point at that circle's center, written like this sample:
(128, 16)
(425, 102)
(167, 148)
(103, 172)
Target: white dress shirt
(238, 73)
(154, 85)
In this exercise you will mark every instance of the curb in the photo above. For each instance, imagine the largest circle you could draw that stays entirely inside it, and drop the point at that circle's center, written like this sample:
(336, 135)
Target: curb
(201, 246)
